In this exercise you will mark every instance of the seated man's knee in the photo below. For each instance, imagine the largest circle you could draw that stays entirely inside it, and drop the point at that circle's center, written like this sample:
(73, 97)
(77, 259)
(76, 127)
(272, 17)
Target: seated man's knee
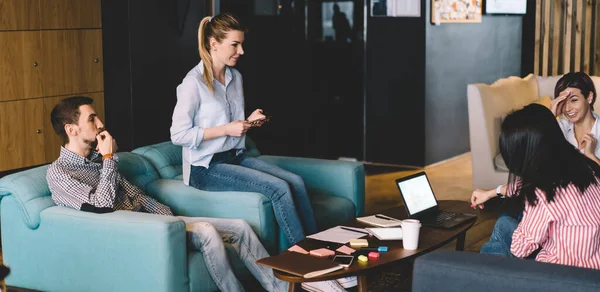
(202, 233)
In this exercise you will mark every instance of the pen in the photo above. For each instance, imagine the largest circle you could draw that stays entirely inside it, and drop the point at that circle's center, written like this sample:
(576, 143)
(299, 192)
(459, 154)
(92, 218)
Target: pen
(349, 229)
(385, 218)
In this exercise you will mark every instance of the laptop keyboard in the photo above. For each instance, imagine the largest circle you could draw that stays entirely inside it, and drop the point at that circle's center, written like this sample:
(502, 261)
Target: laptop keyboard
(443, 216)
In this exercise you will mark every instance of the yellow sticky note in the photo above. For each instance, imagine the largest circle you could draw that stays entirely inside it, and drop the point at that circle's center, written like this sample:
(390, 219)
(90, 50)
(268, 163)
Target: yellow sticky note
(359, 243)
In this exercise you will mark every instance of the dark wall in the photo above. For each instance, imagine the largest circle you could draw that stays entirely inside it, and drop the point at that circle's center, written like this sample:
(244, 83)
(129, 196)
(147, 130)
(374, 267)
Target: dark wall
(395, 89)
(149, 46)
(458, 55)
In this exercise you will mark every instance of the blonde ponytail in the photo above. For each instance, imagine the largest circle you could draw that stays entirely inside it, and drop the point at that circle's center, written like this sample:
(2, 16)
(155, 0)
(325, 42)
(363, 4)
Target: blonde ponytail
(204, 49)
(217, 28)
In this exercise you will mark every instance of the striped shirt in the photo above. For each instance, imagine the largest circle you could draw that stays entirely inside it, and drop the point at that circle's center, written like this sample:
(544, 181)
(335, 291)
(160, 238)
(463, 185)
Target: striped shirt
(567, 229)
(77, 182)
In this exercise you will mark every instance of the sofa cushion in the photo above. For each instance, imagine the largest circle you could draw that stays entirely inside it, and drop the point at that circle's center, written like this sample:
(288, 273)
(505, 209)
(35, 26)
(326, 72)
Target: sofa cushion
(499, 163)
(30, 191)
(166, 158)
(545, 100)
(137, 169)
(331, 210)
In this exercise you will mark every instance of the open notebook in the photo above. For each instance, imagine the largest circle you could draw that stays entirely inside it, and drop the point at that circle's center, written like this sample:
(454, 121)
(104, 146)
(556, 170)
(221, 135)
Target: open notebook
(300, 264)
(380, 222)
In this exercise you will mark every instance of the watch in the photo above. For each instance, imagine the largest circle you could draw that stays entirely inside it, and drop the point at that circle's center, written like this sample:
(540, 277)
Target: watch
(107, 156)
(498, 193)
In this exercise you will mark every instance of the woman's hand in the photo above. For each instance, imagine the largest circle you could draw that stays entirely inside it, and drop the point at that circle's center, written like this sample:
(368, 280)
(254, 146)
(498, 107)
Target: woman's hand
(236, 128)
(557, 105)
(481, 196)
(257, 114)
(589, 144)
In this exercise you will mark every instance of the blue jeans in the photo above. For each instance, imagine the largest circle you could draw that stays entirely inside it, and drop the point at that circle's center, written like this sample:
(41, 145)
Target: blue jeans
(237, 172)
(208, 234)
(501, 238)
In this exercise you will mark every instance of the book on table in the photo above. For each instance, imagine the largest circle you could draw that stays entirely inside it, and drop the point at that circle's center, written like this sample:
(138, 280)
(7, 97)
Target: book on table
(380, 220)
(301, 265)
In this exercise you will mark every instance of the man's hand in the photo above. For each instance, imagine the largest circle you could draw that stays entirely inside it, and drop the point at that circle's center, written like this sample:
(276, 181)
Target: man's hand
(106, 143)
(481, 196)
(236, 128)
(557, 105)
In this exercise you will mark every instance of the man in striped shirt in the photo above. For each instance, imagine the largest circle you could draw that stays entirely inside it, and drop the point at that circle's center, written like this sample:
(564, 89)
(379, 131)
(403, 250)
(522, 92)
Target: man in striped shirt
(86, 177)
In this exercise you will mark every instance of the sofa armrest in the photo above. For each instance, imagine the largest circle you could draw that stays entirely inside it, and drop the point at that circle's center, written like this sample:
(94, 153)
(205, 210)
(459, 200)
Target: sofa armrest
(254, 208)
(106, 249)
(445, 270)
(329, 177)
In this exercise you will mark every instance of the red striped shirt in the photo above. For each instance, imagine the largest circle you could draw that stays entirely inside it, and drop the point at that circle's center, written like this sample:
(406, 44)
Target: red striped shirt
(567, 229)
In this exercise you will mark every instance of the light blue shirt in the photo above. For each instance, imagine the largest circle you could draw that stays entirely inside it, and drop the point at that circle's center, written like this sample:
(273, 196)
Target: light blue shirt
(567, 128)
(197, 109)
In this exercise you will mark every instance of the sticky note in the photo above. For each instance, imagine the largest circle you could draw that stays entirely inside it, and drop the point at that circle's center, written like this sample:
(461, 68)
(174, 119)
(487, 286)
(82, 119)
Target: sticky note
(345, 250)
(298, 249)
(363, 259)
(359, 243)
(382, 249)
(322, 252)
(373, 255)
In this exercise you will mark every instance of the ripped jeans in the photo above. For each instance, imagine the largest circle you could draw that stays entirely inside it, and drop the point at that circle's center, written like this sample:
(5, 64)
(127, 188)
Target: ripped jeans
(208, 235)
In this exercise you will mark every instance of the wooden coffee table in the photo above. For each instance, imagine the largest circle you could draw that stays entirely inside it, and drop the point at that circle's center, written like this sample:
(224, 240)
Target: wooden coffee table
(429, 239)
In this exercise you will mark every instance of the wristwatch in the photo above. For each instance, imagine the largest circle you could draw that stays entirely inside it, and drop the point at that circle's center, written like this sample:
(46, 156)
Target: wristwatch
(107, 156)
(498, 193)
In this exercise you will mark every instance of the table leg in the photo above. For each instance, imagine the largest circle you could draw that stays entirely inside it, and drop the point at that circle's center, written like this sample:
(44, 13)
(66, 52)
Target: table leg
(460, 241)
(293, 287)
(362, 283)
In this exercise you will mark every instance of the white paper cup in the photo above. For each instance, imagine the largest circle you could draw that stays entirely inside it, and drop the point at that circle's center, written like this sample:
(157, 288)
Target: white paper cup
(410, 233)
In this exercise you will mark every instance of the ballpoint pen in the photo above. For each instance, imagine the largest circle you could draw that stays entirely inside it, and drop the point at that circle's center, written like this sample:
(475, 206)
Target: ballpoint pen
(385, 218)
(349, 229)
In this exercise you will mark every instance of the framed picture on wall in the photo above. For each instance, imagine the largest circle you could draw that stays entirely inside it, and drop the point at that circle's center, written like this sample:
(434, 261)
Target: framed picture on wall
(396, 8)
(456, 11)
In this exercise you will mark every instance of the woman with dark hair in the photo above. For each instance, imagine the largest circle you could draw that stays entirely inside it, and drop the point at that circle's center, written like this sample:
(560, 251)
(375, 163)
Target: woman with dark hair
(557, 188)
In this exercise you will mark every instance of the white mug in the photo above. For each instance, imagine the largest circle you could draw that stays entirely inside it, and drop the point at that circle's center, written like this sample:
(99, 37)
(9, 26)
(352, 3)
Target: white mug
(410, 233)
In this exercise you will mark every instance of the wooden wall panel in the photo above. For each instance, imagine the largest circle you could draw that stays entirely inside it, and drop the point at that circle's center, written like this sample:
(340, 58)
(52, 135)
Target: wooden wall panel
(20, 75)
(51, 141)
(73, 61)
(22, 131)
(565, 37)
(66, 14)
(19, 14)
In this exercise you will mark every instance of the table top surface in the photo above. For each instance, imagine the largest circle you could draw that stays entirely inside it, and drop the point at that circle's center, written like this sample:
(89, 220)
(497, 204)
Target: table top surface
(429, 240)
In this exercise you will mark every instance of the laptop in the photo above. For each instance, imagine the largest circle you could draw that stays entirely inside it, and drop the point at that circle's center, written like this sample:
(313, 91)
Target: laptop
(421, 204)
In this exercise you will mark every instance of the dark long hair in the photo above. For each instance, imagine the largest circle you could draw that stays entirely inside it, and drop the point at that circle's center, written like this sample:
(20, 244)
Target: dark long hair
(538, 156)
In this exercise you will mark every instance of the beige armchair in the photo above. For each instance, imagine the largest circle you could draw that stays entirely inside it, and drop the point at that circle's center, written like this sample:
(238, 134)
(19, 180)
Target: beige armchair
(488, 105)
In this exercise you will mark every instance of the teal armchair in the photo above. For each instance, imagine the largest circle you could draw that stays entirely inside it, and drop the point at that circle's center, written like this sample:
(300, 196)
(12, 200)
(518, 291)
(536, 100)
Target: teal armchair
(53, 248)
(336, 189)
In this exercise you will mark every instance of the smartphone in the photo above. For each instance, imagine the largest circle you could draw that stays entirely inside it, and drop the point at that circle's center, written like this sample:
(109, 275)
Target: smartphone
(343, 260)
(258, 121)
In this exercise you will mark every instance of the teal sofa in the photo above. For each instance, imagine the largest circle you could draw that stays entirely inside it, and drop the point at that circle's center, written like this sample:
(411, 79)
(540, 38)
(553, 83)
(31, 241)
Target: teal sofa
(52, 248)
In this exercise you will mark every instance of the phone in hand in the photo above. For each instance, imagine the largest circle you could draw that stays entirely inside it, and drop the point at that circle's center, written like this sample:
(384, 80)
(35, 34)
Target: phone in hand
(257, 122)
(343, 260)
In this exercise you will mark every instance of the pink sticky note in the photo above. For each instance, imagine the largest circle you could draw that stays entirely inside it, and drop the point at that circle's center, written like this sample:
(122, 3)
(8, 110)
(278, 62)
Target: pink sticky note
(322, 252)
(298, 249)
(345, 250)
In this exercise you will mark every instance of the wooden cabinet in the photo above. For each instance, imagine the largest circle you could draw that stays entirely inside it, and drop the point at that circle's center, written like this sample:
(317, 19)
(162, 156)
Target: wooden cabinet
(51, 140)
(19, 14)
(65, 14)
(22, 128)
(72, 61)
(49, 50)
(19, 58)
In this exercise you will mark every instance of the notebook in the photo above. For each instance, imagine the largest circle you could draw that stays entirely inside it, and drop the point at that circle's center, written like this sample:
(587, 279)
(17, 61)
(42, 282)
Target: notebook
(382, 221)
(300, 264)
(386, 233)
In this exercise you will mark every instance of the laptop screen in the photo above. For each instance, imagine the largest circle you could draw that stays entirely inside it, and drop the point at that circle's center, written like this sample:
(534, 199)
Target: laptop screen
(417, 193)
